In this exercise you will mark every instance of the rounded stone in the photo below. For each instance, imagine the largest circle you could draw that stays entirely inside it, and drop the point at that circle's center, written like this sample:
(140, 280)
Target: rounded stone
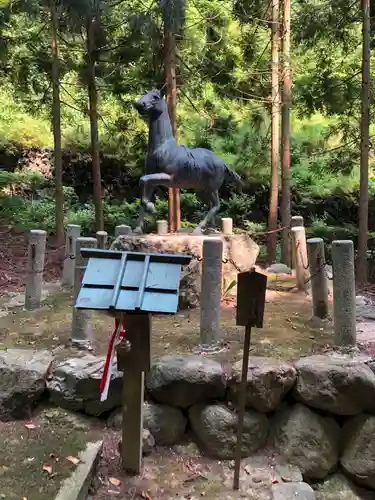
(307, 440)
(358, 457)
(268, 381)
(215, 427)
(183, 381)
(166, 424)
(342, 385)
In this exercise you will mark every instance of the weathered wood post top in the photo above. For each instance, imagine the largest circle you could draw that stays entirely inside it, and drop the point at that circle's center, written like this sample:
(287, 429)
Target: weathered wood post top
(137, 284)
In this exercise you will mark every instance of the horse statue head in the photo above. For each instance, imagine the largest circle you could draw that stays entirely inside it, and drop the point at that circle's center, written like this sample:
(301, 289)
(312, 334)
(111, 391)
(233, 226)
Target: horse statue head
(151, 105)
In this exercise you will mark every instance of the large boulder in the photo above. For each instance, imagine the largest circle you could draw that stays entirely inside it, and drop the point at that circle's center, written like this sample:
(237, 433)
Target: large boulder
(239, 251)
(306, 439)
(268, 381)
(336, 383)
(166, 424)
(75, 386)
(358, 457)
(183, 381)
(23, 375)
(215, 426)
(288, 491)
(338, 487)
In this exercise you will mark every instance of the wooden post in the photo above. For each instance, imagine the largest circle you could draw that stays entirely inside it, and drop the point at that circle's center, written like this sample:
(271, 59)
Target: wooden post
(251, 297)
(134, 363)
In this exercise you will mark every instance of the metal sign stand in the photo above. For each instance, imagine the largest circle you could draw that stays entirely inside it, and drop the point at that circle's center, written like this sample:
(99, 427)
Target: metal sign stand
(136, 285)
(251, 296)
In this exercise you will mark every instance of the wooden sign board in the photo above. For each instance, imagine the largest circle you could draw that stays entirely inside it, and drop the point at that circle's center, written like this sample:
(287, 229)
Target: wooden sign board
(251, 298)
(131, 281)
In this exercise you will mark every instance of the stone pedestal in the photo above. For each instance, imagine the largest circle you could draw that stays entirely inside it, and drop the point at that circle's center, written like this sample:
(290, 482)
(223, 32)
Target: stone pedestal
(239, 251)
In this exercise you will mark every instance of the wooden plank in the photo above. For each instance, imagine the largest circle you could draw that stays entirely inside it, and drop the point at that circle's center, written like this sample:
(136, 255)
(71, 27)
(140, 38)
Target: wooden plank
(171, 258)
(134, 364)
(117, 287)
(138, 333)
(163, 275)
(251, 295)
(94, 274)
(142, 284)
(241, 409)
(132, 422)
(133, 274)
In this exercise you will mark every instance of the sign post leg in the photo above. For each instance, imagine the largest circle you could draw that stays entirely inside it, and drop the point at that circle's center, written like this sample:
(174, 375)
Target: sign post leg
(134, 363)
(241, 408)
(132, 421)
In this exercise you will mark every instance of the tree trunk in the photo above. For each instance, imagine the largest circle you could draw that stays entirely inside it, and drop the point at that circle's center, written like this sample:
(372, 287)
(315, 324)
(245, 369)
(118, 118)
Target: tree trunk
(275, 135)
(56, 125)
(93, 111)
(285, 133)
(170, 75)
(362, 270)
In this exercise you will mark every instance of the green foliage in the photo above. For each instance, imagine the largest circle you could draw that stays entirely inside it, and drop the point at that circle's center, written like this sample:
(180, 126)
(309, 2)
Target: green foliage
(224, 86)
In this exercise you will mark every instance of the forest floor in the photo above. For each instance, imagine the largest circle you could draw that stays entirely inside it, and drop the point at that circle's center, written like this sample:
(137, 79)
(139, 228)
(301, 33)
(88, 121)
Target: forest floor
(178, 472)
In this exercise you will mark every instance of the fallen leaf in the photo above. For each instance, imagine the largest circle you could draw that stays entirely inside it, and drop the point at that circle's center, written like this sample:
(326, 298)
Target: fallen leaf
(73, 460)
(30, 426)
(114, 481)
(286, 479)
(145, 495)
(47, 468)
(247, 469)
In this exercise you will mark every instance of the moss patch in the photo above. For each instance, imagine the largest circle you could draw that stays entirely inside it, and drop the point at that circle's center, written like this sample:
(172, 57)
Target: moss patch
(24, 452)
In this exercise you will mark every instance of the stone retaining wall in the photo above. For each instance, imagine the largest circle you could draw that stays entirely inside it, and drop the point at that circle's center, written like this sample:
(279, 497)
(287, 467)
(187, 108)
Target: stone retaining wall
(318, 413)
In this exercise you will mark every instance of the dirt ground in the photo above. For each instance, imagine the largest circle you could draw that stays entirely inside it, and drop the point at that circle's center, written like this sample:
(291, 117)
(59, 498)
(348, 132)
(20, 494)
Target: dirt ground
(181, 472)
(178, 472)
(35, 456)
(288, 332)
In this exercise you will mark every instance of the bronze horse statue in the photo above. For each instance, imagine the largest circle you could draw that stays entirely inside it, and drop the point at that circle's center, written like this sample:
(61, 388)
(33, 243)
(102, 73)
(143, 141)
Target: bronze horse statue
(174, 166)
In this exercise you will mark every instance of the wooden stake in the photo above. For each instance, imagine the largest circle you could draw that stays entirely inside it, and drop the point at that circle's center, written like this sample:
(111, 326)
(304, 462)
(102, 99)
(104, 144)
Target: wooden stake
(134, 364)
(241, 408)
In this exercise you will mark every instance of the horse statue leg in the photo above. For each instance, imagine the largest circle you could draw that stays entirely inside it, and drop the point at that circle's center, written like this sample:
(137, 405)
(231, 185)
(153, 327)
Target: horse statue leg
(148, 184)
(215, 207)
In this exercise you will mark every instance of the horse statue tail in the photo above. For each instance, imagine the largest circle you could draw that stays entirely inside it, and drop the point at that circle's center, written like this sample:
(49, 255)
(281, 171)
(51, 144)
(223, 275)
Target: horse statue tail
(233, 178)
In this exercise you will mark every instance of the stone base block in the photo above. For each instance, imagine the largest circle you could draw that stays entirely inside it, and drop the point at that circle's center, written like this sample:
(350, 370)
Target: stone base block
(239, 254)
